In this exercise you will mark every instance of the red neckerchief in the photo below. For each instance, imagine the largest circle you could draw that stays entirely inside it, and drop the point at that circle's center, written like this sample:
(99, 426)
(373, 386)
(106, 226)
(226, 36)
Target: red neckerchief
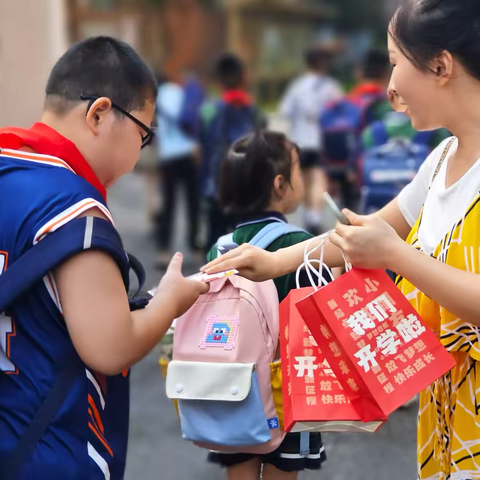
(239, 98)
(46, 141)
(368, 89)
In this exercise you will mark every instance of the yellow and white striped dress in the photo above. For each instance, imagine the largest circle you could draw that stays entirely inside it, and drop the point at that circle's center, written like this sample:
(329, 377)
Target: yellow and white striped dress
(449, 417)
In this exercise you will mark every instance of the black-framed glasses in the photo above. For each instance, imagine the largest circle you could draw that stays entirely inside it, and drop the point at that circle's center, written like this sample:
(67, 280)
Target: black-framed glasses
(146, 139)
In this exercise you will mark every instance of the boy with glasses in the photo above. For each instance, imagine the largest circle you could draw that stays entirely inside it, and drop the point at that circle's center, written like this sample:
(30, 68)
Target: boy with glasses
(100, 103)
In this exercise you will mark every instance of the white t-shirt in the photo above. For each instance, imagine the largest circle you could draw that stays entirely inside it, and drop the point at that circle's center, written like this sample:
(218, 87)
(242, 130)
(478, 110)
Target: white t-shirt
(301, 106)
(444, 207)
(172, 142)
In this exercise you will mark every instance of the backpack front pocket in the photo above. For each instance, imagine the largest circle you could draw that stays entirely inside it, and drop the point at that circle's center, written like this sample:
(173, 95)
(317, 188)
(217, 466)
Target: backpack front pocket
(219, 403)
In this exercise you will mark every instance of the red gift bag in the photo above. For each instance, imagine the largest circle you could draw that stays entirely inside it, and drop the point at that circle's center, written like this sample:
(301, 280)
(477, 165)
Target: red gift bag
(374, 340)
(313, 399)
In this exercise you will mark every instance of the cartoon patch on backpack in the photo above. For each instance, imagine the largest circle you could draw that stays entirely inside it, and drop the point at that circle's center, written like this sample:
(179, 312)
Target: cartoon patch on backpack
(221, 332)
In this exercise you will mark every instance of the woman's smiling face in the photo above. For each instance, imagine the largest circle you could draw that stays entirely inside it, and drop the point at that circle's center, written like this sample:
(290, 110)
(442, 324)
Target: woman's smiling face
(414, 92)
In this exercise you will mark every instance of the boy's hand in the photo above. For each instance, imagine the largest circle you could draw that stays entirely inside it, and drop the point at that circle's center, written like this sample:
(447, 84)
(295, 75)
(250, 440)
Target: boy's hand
(184, 292)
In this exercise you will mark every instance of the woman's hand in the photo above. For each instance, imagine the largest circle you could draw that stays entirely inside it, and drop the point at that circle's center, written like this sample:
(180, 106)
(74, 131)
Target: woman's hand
(369, 242)
(252, 263)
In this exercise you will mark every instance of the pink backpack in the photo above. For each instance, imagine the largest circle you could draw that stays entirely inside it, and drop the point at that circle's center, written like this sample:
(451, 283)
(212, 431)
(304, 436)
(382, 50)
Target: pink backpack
(220, 373)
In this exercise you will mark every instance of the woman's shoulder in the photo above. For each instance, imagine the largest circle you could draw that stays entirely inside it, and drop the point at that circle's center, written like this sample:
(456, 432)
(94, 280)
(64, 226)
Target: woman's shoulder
(444, 143)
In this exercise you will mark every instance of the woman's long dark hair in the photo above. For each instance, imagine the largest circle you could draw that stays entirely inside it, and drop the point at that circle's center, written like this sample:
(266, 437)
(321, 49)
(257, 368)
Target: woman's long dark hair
(423, 29)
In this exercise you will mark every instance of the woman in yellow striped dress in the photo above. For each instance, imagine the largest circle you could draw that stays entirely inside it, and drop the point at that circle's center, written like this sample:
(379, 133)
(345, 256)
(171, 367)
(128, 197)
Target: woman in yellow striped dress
(430, 234)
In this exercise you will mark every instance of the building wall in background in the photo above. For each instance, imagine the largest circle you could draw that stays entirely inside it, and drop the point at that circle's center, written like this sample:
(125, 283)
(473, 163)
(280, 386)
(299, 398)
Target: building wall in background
(33, 35)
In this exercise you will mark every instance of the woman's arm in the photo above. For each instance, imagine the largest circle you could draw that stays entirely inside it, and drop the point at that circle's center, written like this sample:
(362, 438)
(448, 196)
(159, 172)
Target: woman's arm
(259, 265)
(372, 243)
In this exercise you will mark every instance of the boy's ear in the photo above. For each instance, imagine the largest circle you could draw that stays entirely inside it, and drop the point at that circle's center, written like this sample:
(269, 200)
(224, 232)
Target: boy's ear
(97, 113)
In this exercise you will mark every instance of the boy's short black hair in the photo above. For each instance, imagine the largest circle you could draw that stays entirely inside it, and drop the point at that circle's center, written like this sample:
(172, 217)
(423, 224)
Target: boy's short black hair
(376, 65)
(318, 58)
(229, 71)
(101, 66)
(249, 171)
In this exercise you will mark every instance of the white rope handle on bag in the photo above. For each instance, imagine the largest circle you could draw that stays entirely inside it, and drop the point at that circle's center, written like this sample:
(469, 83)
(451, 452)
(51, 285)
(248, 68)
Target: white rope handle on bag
(305, 263)
(323, 282)
(308, 263)
(348, 266)
(309, 269)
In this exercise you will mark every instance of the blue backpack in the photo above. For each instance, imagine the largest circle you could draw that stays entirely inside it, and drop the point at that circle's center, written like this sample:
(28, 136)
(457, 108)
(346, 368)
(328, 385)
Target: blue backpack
(390, 165)
(342, 123)
(231, 122)
(189, 118)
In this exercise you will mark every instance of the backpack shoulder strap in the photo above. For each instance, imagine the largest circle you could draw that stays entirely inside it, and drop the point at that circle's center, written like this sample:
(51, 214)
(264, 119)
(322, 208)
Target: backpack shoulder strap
(442, 159)
(221, 120)
(87, 233)
(273, 231)
(263, 239)
(225, 242)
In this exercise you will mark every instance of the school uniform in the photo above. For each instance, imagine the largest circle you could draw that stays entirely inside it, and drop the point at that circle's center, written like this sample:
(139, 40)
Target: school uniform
(301, 106)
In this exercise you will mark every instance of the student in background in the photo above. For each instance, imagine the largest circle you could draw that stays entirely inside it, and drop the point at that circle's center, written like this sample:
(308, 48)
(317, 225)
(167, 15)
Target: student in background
(178, 154)
(224, 120)
(305, 98)
(261, 182)
(373, 81)
(342, 123)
